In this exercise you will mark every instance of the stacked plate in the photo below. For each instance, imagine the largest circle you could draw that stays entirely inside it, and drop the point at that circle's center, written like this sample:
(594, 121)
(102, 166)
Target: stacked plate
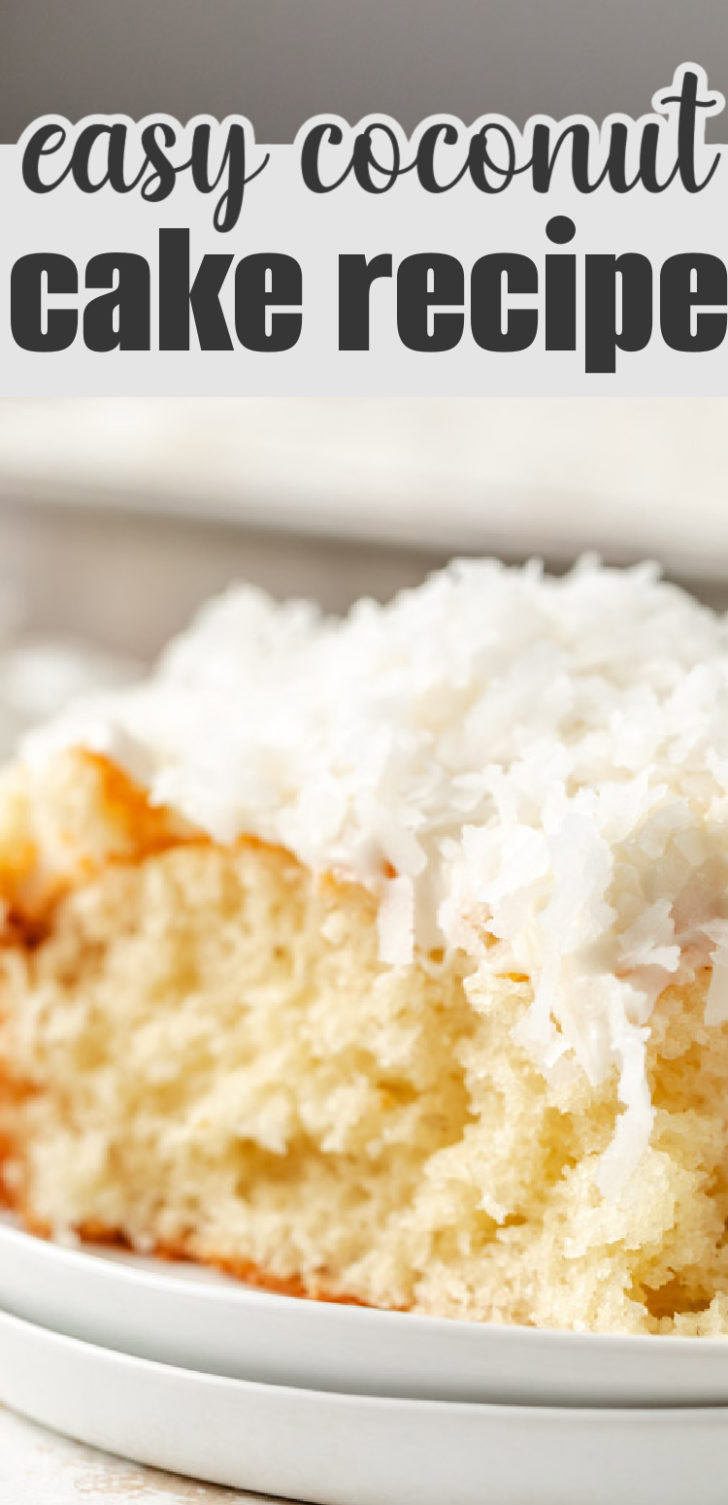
(181, 1368)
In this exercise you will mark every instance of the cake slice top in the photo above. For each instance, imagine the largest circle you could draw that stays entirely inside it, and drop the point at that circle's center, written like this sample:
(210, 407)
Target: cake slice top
(532, 769)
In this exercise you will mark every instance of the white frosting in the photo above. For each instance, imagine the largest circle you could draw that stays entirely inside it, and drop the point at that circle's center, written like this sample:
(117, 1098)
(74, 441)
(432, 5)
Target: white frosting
(543, 761)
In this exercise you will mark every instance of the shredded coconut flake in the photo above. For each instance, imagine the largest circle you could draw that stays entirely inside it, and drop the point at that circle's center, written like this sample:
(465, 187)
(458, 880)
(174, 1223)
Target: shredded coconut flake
(396, 922)
(543, 763)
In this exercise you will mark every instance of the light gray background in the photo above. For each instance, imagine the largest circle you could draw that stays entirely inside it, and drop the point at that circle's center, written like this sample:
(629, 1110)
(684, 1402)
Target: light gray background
(279, 61)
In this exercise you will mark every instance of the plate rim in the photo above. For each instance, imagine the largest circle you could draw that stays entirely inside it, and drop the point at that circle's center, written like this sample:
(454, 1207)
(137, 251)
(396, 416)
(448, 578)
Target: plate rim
(338, 1313)
(632, 1415)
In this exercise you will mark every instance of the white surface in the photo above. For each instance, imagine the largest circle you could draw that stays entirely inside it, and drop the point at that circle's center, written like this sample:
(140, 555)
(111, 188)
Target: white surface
(628, 476)
(353, 1450)
(183, 1315)
(38, 1467)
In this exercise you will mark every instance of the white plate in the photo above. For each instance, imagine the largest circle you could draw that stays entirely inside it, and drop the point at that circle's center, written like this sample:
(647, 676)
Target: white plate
(360, 1450)
(181, 1314)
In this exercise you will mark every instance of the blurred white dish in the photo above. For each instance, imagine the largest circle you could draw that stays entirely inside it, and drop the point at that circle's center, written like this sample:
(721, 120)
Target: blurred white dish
(184, 1315)
(358, 1450)
(555, 476)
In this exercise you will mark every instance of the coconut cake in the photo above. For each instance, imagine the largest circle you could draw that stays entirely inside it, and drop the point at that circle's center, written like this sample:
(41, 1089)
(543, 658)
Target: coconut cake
(385, 958)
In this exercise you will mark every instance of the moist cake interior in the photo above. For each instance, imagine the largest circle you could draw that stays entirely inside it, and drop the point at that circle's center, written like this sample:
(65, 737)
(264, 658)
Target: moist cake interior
(386, 959)
(204, 1054)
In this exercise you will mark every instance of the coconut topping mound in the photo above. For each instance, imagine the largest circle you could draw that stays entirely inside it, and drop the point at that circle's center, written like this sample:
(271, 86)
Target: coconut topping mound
(532, 769)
